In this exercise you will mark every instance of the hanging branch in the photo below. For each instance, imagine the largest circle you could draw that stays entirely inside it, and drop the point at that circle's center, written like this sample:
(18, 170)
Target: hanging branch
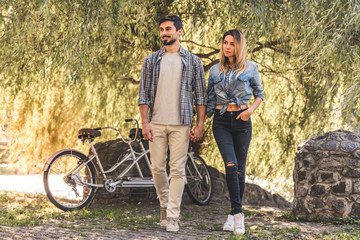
(271, 45)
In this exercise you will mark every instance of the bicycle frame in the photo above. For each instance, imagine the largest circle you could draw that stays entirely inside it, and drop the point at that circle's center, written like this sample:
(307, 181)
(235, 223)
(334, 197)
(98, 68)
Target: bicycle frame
(198, 180)
(132, 155)
(191, 155)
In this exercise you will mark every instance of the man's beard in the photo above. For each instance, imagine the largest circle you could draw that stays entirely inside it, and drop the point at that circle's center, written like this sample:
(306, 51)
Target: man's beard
(166, 42)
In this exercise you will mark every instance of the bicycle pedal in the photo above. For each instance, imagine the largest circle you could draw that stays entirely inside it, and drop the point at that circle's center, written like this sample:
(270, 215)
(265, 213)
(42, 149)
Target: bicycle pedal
(122, 179)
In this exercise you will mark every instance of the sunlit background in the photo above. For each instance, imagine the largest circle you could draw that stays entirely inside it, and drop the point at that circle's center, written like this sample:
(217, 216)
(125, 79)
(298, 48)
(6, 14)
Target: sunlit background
(66, 65)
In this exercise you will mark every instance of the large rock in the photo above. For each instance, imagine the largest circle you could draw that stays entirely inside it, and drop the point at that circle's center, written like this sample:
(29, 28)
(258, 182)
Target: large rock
(254, 195)
(112, 151)
(327, 176)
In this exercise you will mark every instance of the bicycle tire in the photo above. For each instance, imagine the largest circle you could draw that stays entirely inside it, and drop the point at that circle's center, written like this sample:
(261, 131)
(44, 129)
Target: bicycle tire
(200, 190)
(64, 192)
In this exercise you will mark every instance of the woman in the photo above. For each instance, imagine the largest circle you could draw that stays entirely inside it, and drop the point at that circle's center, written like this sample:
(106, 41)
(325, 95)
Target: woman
(231, 83)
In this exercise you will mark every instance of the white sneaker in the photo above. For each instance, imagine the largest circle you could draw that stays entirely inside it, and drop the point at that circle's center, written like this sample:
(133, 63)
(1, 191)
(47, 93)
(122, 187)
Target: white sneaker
(229, 224)
(163, 220)
(172, 224)
(239, 225)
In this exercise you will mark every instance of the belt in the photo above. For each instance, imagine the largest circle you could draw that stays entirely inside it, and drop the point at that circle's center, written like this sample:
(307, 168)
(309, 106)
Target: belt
(231, 108)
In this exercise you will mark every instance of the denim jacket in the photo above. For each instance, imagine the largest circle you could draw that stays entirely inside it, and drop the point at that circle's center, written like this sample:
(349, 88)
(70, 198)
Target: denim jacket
(239, 89)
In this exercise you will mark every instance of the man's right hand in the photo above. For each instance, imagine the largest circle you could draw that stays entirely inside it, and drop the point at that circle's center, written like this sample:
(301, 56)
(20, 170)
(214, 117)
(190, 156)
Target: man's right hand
(147, 132)
(146, 128)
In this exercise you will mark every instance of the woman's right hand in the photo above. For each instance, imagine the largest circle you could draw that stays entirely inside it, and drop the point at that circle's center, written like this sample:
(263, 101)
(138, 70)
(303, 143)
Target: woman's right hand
(245, 115)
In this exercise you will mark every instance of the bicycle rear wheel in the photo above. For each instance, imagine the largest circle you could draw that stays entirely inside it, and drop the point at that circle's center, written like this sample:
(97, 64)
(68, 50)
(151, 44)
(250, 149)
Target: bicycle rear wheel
(65, 180)
(199, 182)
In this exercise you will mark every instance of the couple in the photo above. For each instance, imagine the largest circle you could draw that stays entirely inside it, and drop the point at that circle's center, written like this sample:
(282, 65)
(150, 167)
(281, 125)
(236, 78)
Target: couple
(169, 77)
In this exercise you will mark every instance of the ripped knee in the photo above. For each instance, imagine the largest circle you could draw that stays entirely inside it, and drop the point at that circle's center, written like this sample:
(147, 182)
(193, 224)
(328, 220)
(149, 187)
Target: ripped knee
(230, 168)
(241, 177)
(230, 164)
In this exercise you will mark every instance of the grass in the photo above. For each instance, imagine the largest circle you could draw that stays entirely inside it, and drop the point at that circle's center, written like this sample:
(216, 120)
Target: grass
(19, 209)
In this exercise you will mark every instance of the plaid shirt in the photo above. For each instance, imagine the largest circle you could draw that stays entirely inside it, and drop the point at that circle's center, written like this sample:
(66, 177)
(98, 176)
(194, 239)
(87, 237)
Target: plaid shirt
(192, 80)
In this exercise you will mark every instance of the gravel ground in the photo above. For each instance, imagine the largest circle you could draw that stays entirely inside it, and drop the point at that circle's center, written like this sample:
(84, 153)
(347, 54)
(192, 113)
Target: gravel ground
(196, 223)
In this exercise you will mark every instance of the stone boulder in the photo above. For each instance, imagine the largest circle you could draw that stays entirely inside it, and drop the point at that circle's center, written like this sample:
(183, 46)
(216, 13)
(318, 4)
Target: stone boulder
(327, 176)
(111, 152)
(254, 195)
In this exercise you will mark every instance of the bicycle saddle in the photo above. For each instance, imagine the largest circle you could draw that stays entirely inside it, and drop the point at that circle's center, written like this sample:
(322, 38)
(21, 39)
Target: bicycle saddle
(85, 133)
(133, 131)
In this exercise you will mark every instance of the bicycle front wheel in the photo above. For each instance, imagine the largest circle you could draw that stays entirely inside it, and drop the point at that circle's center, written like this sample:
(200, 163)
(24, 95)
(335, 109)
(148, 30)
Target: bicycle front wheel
(199, 182)
(66, 178)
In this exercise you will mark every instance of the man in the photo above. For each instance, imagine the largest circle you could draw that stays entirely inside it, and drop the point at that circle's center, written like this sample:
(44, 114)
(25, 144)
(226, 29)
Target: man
(169, 77)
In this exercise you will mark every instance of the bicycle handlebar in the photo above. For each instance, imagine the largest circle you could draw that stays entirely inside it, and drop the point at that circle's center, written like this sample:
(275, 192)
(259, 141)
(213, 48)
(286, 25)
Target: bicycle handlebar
(118, 131)
(137, 127)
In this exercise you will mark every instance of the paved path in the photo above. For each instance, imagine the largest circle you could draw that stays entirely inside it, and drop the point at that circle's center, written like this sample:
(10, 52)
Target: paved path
(51, 232)
(22, 183)
(197, 222)
(82, 231)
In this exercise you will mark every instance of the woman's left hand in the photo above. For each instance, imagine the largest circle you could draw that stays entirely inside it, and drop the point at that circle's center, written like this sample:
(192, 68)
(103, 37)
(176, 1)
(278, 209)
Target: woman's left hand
(245, 115)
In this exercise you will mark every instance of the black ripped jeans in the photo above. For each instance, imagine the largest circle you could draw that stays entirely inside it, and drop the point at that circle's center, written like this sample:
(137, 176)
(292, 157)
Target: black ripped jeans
(233, 139)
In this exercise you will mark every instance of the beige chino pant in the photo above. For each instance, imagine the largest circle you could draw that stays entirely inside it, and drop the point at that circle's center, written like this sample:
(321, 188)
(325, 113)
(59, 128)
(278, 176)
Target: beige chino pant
(177, 138)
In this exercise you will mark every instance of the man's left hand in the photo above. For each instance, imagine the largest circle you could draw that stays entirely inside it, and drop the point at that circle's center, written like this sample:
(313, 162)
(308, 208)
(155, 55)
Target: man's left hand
(196, 133)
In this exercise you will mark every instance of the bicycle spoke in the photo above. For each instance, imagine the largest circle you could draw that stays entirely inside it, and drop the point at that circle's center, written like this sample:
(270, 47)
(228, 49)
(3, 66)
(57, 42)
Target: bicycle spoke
(65, 182)
(198, 186)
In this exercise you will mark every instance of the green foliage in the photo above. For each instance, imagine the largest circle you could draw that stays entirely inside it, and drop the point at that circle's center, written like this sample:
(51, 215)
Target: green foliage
(23, 210)
(217, 227)
(19, 209)
(353, 235)
(72, 64)
(350, 220)
(32, 210)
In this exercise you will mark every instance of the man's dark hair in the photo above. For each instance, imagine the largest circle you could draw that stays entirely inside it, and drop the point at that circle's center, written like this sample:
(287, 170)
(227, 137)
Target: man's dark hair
(173, 18)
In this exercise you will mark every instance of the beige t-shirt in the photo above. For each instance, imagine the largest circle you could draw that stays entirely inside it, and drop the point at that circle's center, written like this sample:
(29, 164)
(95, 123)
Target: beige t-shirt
(167, 101)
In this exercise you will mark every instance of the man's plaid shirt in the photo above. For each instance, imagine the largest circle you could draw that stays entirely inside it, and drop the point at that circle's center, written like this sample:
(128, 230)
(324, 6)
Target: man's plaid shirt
(192, 80)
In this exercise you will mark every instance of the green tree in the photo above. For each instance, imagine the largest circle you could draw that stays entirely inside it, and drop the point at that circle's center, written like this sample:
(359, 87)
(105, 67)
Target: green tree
(71, 64)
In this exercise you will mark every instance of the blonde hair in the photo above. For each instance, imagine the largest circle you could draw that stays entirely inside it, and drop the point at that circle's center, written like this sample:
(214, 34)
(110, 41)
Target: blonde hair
(240, 52)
